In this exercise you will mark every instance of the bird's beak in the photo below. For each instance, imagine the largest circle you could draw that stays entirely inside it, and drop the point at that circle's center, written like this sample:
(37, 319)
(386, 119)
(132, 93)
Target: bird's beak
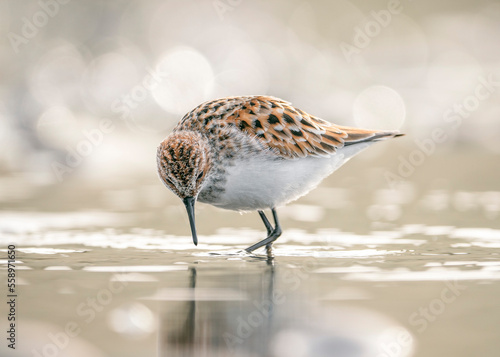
(189, 203)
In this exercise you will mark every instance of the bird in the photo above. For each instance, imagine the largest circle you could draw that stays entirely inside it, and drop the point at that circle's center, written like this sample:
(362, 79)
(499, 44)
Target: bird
(251, 153)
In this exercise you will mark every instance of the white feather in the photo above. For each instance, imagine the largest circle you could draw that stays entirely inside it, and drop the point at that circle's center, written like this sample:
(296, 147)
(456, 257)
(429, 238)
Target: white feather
(263, 182)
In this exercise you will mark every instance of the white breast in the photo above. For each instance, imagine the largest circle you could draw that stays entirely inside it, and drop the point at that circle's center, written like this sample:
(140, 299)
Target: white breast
(263, 182)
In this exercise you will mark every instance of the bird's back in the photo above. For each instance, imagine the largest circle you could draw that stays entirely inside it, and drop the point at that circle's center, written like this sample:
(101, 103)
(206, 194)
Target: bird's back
(275, 124)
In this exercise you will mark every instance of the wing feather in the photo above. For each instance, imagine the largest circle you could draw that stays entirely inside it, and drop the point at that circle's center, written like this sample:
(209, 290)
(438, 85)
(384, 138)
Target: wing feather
(288, 131)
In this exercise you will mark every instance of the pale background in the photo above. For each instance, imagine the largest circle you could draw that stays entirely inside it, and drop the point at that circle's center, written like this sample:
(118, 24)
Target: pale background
(88, 89)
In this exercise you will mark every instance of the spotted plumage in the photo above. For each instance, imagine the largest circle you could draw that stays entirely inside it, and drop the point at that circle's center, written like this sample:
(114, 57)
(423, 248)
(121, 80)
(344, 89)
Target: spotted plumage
(253, 153)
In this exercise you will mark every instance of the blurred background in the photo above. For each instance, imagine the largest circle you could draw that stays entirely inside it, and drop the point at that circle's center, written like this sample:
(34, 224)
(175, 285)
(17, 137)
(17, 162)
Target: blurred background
(90, 88)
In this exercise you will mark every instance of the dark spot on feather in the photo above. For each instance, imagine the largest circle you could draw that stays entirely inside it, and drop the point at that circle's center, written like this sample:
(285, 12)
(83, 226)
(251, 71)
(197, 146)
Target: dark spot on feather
(306, 123)
(243, 125)
(204, 111)
(252, 103)
(298, 147)
(251, 112)
(297, 132)
(208, 119)
(288, 119)
(258, 124)
(261, 135)
(273, 119)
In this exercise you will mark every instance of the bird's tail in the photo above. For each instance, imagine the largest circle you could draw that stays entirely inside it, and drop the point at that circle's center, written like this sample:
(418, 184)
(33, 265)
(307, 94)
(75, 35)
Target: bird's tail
(357, 136)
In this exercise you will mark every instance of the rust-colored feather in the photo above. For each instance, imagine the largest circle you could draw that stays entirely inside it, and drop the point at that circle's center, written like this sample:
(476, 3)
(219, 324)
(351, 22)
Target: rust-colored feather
(288, 131)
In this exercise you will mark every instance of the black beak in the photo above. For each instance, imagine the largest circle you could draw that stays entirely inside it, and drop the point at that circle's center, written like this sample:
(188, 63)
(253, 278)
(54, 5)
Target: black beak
(189, 203)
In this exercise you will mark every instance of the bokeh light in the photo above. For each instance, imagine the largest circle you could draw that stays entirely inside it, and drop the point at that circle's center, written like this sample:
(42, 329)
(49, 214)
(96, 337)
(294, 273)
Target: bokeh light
(188, 80)
(379, 107)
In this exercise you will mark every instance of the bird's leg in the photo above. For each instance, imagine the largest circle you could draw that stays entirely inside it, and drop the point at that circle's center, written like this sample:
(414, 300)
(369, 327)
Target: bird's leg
(275, 233)
(268, 225)
(270, 229)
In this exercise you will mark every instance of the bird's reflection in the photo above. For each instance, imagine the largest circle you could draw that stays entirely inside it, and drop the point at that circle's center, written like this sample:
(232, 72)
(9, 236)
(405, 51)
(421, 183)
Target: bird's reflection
(184, 337)
(210, 324)
(253, 312)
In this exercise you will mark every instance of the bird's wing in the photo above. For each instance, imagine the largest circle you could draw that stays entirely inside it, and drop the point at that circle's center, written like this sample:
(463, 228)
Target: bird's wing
(291, 132)
(287, 131)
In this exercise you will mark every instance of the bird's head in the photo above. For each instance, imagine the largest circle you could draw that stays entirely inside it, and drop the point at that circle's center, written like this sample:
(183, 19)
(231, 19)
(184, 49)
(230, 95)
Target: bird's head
(183, 165)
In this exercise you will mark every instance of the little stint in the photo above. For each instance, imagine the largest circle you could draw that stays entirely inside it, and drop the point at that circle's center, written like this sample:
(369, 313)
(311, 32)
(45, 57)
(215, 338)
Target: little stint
(253, 153)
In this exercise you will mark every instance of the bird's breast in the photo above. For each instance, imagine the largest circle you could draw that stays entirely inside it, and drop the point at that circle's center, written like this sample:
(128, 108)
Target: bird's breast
(252, 178)
(260, 183)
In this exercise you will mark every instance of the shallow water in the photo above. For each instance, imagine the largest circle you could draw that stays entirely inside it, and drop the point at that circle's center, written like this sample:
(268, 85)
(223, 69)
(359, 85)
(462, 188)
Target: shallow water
(414, 290)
